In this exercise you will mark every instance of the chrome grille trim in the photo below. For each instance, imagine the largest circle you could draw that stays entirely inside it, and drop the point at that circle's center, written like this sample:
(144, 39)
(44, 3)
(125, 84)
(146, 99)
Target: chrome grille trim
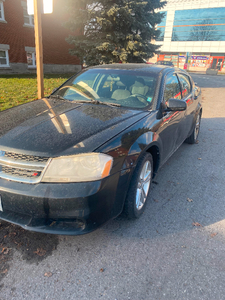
(19, 179)
(21, 164)
(25, 157)
(21, 170)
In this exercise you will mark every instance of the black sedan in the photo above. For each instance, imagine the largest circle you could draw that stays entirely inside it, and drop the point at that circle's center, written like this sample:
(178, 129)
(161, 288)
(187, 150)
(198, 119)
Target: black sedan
(74, 160)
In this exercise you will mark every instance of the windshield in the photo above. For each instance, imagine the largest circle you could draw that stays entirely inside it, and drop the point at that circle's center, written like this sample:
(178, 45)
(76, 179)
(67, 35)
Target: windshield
(127, 88)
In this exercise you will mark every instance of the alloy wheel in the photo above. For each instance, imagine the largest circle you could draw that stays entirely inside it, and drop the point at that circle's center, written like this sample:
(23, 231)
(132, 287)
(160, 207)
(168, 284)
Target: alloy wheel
(143, 185)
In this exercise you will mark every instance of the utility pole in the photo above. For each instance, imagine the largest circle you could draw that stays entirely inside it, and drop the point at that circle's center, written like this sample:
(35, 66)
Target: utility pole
(38, 8)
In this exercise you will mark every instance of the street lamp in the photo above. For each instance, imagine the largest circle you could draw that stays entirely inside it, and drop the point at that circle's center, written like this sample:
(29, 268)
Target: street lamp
(47, 6)
(36, 8)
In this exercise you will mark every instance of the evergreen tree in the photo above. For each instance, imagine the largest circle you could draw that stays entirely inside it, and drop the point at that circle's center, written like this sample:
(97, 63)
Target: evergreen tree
(110, 31)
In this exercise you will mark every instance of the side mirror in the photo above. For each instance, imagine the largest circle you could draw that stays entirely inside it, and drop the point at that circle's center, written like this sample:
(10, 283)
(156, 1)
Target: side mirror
(54, 90)
(175, 105)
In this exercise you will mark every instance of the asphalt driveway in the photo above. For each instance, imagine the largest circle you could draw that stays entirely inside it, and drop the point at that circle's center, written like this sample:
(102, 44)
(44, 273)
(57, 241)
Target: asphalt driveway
(174, 251)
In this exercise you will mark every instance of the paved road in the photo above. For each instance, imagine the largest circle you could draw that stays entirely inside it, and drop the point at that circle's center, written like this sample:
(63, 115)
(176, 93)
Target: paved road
(174, 252)
(209, 81)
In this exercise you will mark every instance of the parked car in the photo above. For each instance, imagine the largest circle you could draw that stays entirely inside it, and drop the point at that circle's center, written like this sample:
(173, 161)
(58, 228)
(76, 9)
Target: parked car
(164, 63)
(73, 161)
(147, 62)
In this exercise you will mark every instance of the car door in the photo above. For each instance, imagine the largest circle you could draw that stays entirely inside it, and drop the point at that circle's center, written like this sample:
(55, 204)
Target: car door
(170, 125)
(188, 97)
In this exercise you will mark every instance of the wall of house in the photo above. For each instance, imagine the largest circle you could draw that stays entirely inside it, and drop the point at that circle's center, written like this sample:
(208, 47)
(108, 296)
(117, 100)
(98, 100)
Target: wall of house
(20, 37)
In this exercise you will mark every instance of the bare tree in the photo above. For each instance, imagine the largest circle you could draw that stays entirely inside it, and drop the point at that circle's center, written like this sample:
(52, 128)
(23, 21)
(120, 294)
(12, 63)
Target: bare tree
(206, 32)
(175, 36)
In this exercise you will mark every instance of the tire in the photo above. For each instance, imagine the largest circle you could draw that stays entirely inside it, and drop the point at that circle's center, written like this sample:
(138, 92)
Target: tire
(192, 139)
(138, 192)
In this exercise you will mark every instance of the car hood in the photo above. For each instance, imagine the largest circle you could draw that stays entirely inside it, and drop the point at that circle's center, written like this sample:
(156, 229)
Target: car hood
(54, 127)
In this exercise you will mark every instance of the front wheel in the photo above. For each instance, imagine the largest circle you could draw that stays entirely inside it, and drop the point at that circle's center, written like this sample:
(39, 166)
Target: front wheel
(192, 139)
(139, 187)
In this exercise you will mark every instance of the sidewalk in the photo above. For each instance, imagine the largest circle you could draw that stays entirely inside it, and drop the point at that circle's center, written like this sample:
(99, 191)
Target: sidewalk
(204, 73)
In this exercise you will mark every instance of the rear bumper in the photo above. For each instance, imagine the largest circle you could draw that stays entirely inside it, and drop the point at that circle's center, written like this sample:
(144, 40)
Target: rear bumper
(70, 209)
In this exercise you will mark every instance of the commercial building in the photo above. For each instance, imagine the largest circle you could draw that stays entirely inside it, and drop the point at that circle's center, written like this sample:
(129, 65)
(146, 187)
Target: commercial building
(17, 43)
(193, 32)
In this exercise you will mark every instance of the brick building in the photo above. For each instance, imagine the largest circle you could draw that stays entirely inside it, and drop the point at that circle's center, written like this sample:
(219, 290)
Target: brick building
(17, 43)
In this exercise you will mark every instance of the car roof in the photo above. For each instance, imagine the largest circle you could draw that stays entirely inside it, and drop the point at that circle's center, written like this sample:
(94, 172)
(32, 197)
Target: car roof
(135, 67)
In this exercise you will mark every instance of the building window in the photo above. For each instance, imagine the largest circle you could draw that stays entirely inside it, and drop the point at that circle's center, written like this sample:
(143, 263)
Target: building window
(4, 58)
(31, 58)
(161, 27)
(2, 16)
(28, 20)
(206, 24)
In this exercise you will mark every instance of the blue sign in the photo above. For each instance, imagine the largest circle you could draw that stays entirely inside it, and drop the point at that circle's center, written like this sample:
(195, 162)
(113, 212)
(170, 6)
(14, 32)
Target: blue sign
(200, 57)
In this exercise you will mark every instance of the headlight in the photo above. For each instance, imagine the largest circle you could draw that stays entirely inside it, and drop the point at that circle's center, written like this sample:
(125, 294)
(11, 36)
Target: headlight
(78, 168)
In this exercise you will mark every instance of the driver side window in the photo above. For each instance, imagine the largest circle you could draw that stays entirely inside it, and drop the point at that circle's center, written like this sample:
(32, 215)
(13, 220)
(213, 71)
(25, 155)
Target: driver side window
(172, 88)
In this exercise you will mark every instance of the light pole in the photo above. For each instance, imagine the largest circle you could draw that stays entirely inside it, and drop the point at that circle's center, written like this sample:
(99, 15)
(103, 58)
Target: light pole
(36, 8)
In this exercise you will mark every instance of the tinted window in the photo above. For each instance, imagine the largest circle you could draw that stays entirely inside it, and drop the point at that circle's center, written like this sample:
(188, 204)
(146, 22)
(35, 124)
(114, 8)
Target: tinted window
(185, 84)
(161, 27)
(206, 24)
(172, 88)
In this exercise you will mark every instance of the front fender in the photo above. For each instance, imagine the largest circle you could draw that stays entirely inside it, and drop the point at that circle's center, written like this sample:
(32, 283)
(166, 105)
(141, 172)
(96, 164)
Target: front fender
(198, 110)
(144, 143)
(126, 147)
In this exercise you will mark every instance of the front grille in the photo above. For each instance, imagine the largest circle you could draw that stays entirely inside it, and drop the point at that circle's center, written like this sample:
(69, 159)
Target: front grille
(21, 167)
(24, 157)
(20, 172)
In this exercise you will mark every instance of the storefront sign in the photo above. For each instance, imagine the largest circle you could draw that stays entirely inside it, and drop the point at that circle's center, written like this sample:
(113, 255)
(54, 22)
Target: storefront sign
(200, 57)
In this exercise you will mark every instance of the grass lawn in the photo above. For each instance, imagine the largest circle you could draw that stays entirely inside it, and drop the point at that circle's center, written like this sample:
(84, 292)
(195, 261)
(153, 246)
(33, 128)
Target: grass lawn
(18, 89)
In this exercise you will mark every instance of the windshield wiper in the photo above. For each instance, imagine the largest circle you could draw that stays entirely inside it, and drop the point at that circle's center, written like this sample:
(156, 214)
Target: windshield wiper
(96, 102)
(93, 101)
(105, 103)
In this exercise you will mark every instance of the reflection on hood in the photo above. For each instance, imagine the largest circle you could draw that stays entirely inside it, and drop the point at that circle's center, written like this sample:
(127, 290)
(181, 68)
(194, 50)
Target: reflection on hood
(106, 113)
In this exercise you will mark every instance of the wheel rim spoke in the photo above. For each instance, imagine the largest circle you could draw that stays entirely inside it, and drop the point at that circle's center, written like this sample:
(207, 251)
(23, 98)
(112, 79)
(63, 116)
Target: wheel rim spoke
(147, 179)
(146, 187)
(143, 194)
(138, 198)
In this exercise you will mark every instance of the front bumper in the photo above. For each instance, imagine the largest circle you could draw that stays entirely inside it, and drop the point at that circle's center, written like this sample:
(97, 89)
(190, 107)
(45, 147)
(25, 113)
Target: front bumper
(68, 208)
